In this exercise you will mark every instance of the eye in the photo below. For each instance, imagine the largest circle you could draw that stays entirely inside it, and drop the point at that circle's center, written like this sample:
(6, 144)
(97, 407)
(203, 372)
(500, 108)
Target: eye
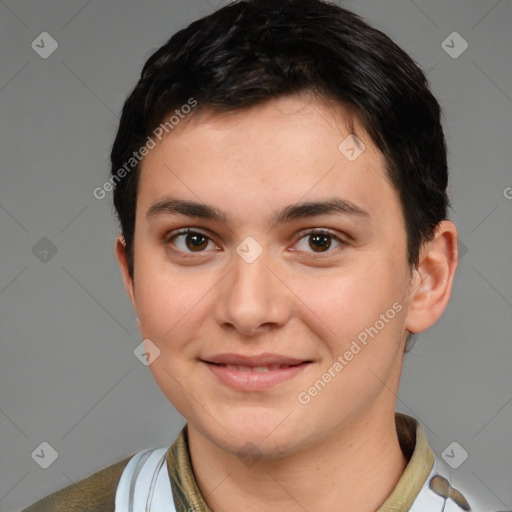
(319, 241)
(191, 241)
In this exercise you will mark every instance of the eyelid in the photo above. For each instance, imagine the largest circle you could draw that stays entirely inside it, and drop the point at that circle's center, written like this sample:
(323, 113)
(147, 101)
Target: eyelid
(183, 231)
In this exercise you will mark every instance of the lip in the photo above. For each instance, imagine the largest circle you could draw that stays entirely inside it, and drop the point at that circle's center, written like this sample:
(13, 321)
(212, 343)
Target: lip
(255, 360)
(247, 378)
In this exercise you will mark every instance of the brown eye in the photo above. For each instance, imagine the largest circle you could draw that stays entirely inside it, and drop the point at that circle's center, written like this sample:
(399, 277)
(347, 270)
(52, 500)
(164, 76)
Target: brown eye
(196, 241)
(320, 242)
(190, 241)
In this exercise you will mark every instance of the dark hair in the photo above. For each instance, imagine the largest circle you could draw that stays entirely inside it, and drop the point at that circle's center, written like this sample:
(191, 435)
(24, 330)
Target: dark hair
(252, 51)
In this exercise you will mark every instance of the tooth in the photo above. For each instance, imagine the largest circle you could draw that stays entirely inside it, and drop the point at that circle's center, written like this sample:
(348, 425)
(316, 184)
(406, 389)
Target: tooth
(260, 368)
(243, 368)
(275, 366)
(232, 367)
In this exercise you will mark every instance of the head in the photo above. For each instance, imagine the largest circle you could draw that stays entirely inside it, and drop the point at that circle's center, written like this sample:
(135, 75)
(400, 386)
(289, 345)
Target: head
(243, 130)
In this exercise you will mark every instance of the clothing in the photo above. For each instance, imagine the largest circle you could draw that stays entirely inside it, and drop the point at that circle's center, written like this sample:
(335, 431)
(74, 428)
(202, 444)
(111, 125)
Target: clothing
(423, 487)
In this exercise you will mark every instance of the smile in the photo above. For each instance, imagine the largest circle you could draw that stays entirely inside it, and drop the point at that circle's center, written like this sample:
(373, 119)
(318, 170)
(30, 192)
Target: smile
(254, 374)
(269, 368)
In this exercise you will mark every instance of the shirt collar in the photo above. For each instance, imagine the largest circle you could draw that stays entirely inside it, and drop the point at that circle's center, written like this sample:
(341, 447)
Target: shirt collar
(415, 448)
(411, 437)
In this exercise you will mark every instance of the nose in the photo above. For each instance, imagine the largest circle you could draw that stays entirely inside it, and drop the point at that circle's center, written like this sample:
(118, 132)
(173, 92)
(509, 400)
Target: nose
(251, 299)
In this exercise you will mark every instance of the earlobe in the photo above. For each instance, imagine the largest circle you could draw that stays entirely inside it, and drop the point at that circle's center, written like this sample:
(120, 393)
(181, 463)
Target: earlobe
(432, 280)
(120, 250)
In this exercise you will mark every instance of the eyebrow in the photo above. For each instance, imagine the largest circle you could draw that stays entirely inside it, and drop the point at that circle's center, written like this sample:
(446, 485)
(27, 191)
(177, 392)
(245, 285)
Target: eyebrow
(335, 205)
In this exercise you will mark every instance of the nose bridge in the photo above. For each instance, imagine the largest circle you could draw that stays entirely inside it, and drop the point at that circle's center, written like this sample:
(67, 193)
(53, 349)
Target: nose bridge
(251, 297)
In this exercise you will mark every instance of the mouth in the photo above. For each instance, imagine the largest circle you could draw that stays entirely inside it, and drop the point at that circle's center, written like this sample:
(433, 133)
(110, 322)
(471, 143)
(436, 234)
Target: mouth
(263, 369)
(254, 373)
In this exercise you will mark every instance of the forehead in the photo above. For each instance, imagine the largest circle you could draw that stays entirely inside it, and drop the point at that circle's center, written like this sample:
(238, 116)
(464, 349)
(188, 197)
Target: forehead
(282, 152)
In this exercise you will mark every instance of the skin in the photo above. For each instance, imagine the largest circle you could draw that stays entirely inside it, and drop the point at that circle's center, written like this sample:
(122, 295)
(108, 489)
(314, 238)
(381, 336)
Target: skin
(295, 300)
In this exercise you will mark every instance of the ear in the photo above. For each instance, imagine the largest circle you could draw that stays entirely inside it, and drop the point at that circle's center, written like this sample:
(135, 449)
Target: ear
(120, 249)
(432, 280)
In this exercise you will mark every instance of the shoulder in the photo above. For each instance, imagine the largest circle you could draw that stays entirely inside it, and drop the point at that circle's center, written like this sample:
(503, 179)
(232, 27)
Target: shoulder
(95, 493)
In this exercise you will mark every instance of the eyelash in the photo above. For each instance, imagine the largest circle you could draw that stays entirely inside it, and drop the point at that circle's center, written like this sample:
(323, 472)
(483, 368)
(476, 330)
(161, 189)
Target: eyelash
(315, 231)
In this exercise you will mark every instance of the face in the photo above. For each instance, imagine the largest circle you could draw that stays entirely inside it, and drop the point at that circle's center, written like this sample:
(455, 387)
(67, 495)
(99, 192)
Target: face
(271, 274)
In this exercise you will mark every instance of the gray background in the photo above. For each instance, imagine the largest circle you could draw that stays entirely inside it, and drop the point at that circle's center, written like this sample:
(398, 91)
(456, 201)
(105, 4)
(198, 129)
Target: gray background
(68, 374)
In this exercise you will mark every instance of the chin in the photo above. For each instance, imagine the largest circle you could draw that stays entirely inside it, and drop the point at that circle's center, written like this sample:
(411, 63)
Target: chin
(256, 432)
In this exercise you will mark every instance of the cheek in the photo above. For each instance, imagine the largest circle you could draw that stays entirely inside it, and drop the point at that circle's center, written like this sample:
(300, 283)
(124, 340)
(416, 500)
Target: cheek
(348, 300)
(170, 313)
(358, 313)
(168, 305)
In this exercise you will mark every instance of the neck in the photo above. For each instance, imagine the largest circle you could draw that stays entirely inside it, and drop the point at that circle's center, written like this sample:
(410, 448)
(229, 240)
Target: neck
(357, 467)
